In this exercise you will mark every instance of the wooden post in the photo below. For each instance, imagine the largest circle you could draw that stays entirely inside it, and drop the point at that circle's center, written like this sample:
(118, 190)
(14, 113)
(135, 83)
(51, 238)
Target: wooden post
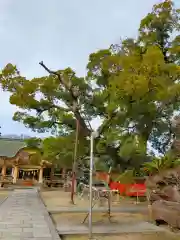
(41, 175)
(12, 171)
(52, 172)
(148, 196)
(109, 175)
(15, 174)
(74, 163)
(3, 172)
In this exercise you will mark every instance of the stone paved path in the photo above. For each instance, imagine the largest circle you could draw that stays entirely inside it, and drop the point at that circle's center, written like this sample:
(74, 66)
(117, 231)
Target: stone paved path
(24, 217)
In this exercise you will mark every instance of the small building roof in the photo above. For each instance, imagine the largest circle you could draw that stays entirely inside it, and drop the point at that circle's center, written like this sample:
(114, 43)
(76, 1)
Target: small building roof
(9, 147)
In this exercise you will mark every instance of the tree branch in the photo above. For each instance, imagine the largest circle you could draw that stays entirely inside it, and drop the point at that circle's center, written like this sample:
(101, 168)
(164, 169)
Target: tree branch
(107, 124)
(83, 127)
(47, 69)
(41, 109)
(66, 85)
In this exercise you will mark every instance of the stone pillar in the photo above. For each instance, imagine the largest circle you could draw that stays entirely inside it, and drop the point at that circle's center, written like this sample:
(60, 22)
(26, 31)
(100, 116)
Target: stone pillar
(41, 175)
(15, 174)
(3, 171)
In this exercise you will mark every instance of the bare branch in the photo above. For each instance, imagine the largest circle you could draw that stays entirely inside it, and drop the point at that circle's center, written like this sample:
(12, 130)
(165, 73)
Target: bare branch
(68, 86)
(74, 95)
(47, 69)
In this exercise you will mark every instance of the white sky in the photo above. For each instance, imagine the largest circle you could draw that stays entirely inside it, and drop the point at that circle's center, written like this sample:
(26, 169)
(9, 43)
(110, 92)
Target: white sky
(62, 33)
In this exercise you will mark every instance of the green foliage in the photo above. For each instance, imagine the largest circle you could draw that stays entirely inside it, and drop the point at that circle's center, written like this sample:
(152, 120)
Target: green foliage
(143, 83)
(101, 165)
(126, 177)
(133, 87)
(157, 27)
(33, 142)
(60, 150)
(34, 146)
(35, 158)
(159, 164)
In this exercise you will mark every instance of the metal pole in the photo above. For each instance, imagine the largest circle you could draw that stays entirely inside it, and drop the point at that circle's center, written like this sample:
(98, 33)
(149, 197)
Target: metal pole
(90, 185)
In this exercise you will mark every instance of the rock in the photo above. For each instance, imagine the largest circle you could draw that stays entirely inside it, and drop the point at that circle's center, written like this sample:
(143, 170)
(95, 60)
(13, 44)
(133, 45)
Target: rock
(166, 211)
(164, 196)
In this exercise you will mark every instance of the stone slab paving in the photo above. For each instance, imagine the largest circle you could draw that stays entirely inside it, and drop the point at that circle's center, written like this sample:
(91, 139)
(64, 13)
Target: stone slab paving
(23, 216)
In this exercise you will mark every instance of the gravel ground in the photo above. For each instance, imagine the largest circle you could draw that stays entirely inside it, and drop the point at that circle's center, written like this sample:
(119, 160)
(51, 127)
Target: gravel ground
(61, 200)
(154, 236)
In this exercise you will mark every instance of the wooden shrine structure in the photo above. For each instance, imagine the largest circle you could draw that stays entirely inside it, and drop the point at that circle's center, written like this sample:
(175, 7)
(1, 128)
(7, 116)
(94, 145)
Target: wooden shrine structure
(21, 166)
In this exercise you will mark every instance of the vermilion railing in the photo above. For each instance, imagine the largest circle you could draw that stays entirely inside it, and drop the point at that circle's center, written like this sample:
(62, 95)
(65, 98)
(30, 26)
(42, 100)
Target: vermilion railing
(131, 190)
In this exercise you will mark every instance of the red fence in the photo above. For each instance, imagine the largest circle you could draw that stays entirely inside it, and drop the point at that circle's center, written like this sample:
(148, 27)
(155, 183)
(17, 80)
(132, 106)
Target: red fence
(131, 190)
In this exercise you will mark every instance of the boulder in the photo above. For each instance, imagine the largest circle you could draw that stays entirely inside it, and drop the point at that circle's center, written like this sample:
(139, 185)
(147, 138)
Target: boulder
(163, 193)
(166, 211)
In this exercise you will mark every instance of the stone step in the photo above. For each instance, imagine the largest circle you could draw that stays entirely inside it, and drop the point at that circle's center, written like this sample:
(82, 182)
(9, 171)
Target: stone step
(74, 209)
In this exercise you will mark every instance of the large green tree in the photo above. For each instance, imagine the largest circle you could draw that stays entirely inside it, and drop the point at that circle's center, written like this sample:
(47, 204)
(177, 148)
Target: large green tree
(133, 87)
(140, 81)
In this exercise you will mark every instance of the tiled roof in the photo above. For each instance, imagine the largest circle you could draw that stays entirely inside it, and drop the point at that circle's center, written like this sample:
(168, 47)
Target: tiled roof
(9, 147)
